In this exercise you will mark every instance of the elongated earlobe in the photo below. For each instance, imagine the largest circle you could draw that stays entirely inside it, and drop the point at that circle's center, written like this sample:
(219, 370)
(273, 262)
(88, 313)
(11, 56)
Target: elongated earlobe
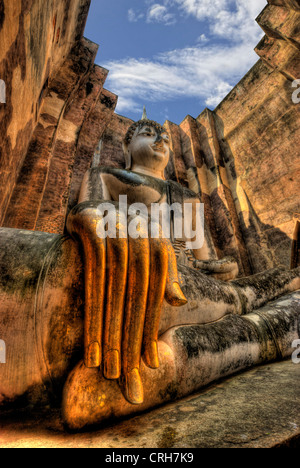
(128, 159)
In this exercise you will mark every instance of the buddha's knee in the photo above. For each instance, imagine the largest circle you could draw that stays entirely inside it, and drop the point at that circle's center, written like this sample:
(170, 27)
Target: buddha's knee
(83, 220)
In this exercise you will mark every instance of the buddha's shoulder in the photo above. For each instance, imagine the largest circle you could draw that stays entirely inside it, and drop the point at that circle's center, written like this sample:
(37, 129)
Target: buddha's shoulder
(127, 177)
(178, 191)
(112, 174)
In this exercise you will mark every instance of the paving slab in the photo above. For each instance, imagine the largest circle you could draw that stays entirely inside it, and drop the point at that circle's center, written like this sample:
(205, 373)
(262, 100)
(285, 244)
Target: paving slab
(256, 409)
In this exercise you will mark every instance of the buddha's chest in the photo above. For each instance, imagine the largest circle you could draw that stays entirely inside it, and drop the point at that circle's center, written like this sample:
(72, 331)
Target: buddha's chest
(137, 189)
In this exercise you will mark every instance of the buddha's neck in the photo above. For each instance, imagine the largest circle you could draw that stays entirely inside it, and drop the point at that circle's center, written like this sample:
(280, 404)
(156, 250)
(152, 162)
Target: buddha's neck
(147, 171)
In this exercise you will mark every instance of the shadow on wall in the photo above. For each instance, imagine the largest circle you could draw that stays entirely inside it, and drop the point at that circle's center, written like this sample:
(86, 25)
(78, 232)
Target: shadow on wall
(2, 92)
(2, 352)
(296, 246)
(267, 246)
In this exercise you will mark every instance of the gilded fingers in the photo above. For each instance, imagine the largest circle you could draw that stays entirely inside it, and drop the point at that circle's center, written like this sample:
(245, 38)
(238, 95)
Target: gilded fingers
(173, 295)
(126, 281)
(152, 273)
(136, 303)
(117, 267)
(164, 284)
(158, 278)
(94, 299)
(82, 225)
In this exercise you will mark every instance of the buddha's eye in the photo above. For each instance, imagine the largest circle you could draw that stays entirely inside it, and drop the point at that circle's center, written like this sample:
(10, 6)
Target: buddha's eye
(147, 131)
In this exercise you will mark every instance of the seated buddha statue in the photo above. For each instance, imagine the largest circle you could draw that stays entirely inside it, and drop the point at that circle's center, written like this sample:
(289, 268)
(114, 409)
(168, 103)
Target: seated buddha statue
(129, 280)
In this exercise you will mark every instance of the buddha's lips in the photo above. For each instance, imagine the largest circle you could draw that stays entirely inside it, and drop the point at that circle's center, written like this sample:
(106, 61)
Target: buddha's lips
(158, 148)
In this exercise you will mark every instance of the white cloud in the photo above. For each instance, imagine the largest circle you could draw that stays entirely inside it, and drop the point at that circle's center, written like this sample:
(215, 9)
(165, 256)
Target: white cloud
(203, 39)
(133, 16)
(201, 9)
(159, 14)
(221, 90)
(204, 73)
(126, 103)
(233, 19)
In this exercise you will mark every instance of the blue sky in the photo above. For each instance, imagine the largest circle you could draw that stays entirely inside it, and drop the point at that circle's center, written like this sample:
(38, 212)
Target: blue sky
(176, 57)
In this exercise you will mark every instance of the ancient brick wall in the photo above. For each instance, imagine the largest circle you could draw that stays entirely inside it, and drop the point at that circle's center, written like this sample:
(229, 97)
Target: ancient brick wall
(56, 110)
(258, 127)
(35, 37)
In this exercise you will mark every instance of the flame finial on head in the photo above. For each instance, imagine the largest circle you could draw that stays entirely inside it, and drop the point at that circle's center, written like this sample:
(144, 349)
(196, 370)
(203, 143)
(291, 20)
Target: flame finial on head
(144, 114)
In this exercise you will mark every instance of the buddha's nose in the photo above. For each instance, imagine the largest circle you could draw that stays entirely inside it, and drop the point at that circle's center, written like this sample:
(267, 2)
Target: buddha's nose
(158, 139)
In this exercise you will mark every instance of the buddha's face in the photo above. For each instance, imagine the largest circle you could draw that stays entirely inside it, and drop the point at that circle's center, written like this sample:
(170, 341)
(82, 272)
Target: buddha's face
(150, 148)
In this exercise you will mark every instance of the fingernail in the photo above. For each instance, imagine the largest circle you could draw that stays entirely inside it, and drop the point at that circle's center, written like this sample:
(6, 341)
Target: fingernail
(93, 355)
(112, 365)
(134, 391)
(180, 297)
(151, 355)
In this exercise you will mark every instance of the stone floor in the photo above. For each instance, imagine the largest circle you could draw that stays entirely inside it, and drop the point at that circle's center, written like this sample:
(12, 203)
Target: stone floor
(256, 409)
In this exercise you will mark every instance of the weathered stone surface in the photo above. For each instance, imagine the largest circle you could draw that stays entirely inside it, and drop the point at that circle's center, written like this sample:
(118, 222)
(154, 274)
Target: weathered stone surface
(266, 415)
(258, 130)
(35, 39)
(91, 131)
(191, 357)
(69, 117)
(280, 55)
(111, 151)
(41, 322)
(176, 169)
(281, 23)
(41, 297)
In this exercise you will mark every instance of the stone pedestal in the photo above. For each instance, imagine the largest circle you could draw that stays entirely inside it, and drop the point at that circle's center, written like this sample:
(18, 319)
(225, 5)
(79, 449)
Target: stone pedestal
(256, 409)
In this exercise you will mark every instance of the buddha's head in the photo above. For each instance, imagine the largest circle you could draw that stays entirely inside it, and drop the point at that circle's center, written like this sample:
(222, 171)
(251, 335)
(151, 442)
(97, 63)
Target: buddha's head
(147, 148)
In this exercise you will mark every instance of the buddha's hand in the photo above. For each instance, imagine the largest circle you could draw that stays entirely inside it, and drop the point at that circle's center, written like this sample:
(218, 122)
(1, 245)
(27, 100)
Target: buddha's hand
(226, 269)
(126, 281)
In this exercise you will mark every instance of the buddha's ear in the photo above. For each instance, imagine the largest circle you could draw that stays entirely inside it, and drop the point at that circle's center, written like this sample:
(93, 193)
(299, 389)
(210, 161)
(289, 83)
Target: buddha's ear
(127, 155)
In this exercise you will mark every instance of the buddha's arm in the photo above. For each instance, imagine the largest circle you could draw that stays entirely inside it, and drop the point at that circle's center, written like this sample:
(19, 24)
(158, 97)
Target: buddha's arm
(200, 240)
(93, 187)
(202, 246)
